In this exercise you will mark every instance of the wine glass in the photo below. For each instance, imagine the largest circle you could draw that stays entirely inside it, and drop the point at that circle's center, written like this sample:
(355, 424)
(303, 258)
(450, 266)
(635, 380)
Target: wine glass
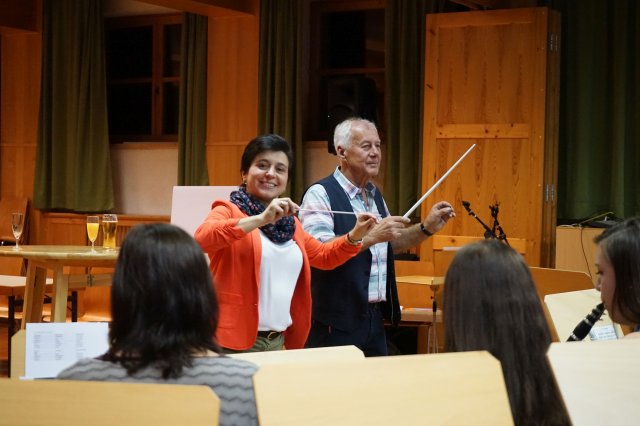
(93, 226)
(17, 224)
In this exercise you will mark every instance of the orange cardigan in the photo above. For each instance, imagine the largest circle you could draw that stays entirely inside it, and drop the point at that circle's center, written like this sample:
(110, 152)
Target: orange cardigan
(235, 265)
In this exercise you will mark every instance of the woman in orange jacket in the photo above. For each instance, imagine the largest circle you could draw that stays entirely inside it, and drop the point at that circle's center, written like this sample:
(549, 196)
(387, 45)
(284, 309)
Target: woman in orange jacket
(261, 256)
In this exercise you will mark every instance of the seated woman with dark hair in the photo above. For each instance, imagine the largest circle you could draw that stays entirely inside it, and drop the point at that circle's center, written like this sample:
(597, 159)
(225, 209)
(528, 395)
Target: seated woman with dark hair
(164, 314)
(490, 303)
(618, 265)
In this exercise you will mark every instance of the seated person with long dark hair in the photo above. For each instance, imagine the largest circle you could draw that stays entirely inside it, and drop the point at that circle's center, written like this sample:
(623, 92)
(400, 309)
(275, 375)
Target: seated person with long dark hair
(164, 316)
(490, 303)
(618, 265)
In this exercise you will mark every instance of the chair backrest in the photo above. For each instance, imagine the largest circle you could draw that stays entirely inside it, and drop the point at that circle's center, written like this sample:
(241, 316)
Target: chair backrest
(598, 380)
(18, 354)
(551, 281)
(190, 205)
(409, 389)
(61, 402)
(554, 281)
(446, 246)
(332, 353)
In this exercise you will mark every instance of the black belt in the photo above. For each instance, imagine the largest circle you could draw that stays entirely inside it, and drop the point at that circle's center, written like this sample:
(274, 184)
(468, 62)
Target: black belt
(269, 335)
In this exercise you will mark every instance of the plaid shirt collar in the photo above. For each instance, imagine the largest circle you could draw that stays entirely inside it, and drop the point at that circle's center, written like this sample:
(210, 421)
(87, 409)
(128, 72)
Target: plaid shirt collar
(352, 190)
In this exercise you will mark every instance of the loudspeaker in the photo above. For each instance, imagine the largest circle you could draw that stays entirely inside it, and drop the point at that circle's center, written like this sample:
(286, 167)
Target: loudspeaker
(349, 96)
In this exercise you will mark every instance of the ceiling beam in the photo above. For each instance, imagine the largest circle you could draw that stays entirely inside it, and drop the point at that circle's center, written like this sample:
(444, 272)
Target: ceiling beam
(477, 4)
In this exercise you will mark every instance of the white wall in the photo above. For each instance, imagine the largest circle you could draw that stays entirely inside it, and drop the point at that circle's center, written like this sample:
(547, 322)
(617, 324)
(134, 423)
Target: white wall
(144, 174)
(143, 177)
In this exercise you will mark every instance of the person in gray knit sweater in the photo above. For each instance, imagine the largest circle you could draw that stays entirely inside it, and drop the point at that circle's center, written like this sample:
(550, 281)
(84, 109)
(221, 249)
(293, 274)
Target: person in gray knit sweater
(164, 318)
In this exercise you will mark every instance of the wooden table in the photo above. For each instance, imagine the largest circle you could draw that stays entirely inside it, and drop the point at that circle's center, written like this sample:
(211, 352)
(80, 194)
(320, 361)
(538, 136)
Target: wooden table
(56, 258)
(417, 294)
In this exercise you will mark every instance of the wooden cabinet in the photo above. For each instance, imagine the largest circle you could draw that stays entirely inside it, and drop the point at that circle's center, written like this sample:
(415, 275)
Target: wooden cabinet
(491, 78)
(576, 250)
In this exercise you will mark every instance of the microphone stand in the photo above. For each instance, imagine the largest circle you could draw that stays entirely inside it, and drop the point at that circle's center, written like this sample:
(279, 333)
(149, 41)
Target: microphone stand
(494, 214)
(488, 233)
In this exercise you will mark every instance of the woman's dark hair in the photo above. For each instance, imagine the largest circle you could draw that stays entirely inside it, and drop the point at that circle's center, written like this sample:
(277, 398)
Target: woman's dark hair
(163, 305)
(621, 246)
(264, 143)
(490, 303)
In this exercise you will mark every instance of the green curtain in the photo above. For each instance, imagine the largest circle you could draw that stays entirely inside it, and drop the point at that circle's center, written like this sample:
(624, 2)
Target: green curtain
(280, 80)
(405, 23)
(73, 168)
(599, 135)
(192, 123)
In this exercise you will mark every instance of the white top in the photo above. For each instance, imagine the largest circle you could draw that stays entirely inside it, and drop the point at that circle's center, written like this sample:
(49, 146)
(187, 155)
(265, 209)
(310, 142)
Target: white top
(280, 268)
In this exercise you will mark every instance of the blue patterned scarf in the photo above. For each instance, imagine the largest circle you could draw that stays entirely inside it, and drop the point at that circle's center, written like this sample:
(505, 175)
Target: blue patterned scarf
(279, 232)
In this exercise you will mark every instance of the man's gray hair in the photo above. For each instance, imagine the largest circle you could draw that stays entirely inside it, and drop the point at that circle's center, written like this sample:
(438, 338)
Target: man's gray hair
(343, 132)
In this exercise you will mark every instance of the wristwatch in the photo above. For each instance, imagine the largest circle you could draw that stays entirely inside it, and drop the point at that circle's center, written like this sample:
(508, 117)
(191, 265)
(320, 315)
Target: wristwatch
(425, 231)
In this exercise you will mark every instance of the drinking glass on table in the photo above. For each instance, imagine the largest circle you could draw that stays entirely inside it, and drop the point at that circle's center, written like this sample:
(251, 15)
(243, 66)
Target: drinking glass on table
(109, 225)
(17, 224)
(93, 226)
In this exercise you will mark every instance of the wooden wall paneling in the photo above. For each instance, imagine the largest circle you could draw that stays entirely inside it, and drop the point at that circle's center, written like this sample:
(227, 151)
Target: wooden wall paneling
(19, 107)
(17, 169)
(224, 163)
(232, 94)
(70, 229)
(20, 61)
(485, 84)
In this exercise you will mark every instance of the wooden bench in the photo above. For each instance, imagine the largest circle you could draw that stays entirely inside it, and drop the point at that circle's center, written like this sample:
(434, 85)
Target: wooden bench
(452, 388)
(598, 380)
(311, 355)
(68, 402)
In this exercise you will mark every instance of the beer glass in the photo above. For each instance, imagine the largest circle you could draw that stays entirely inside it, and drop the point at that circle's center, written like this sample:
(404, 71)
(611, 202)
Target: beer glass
(109, 225)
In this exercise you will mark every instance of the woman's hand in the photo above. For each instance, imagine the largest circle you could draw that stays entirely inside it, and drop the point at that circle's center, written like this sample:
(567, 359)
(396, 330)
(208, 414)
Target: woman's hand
(364, 223)
(277, 209)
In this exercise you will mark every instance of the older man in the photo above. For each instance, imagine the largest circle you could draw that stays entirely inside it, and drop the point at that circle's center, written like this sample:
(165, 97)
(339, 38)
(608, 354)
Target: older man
(351, 301)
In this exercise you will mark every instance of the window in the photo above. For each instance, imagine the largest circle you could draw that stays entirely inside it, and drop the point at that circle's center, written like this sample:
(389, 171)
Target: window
(348, 65)
(143, 77)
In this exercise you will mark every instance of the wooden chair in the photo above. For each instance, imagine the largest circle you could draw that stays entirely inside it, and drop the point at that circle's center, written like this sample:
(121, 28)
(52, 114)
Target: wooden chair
(598, 380)
(12, 270)
(452, 388)
(66, 402)
(553, 281)
(446, 246)
(418, 294)
(17, 359)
